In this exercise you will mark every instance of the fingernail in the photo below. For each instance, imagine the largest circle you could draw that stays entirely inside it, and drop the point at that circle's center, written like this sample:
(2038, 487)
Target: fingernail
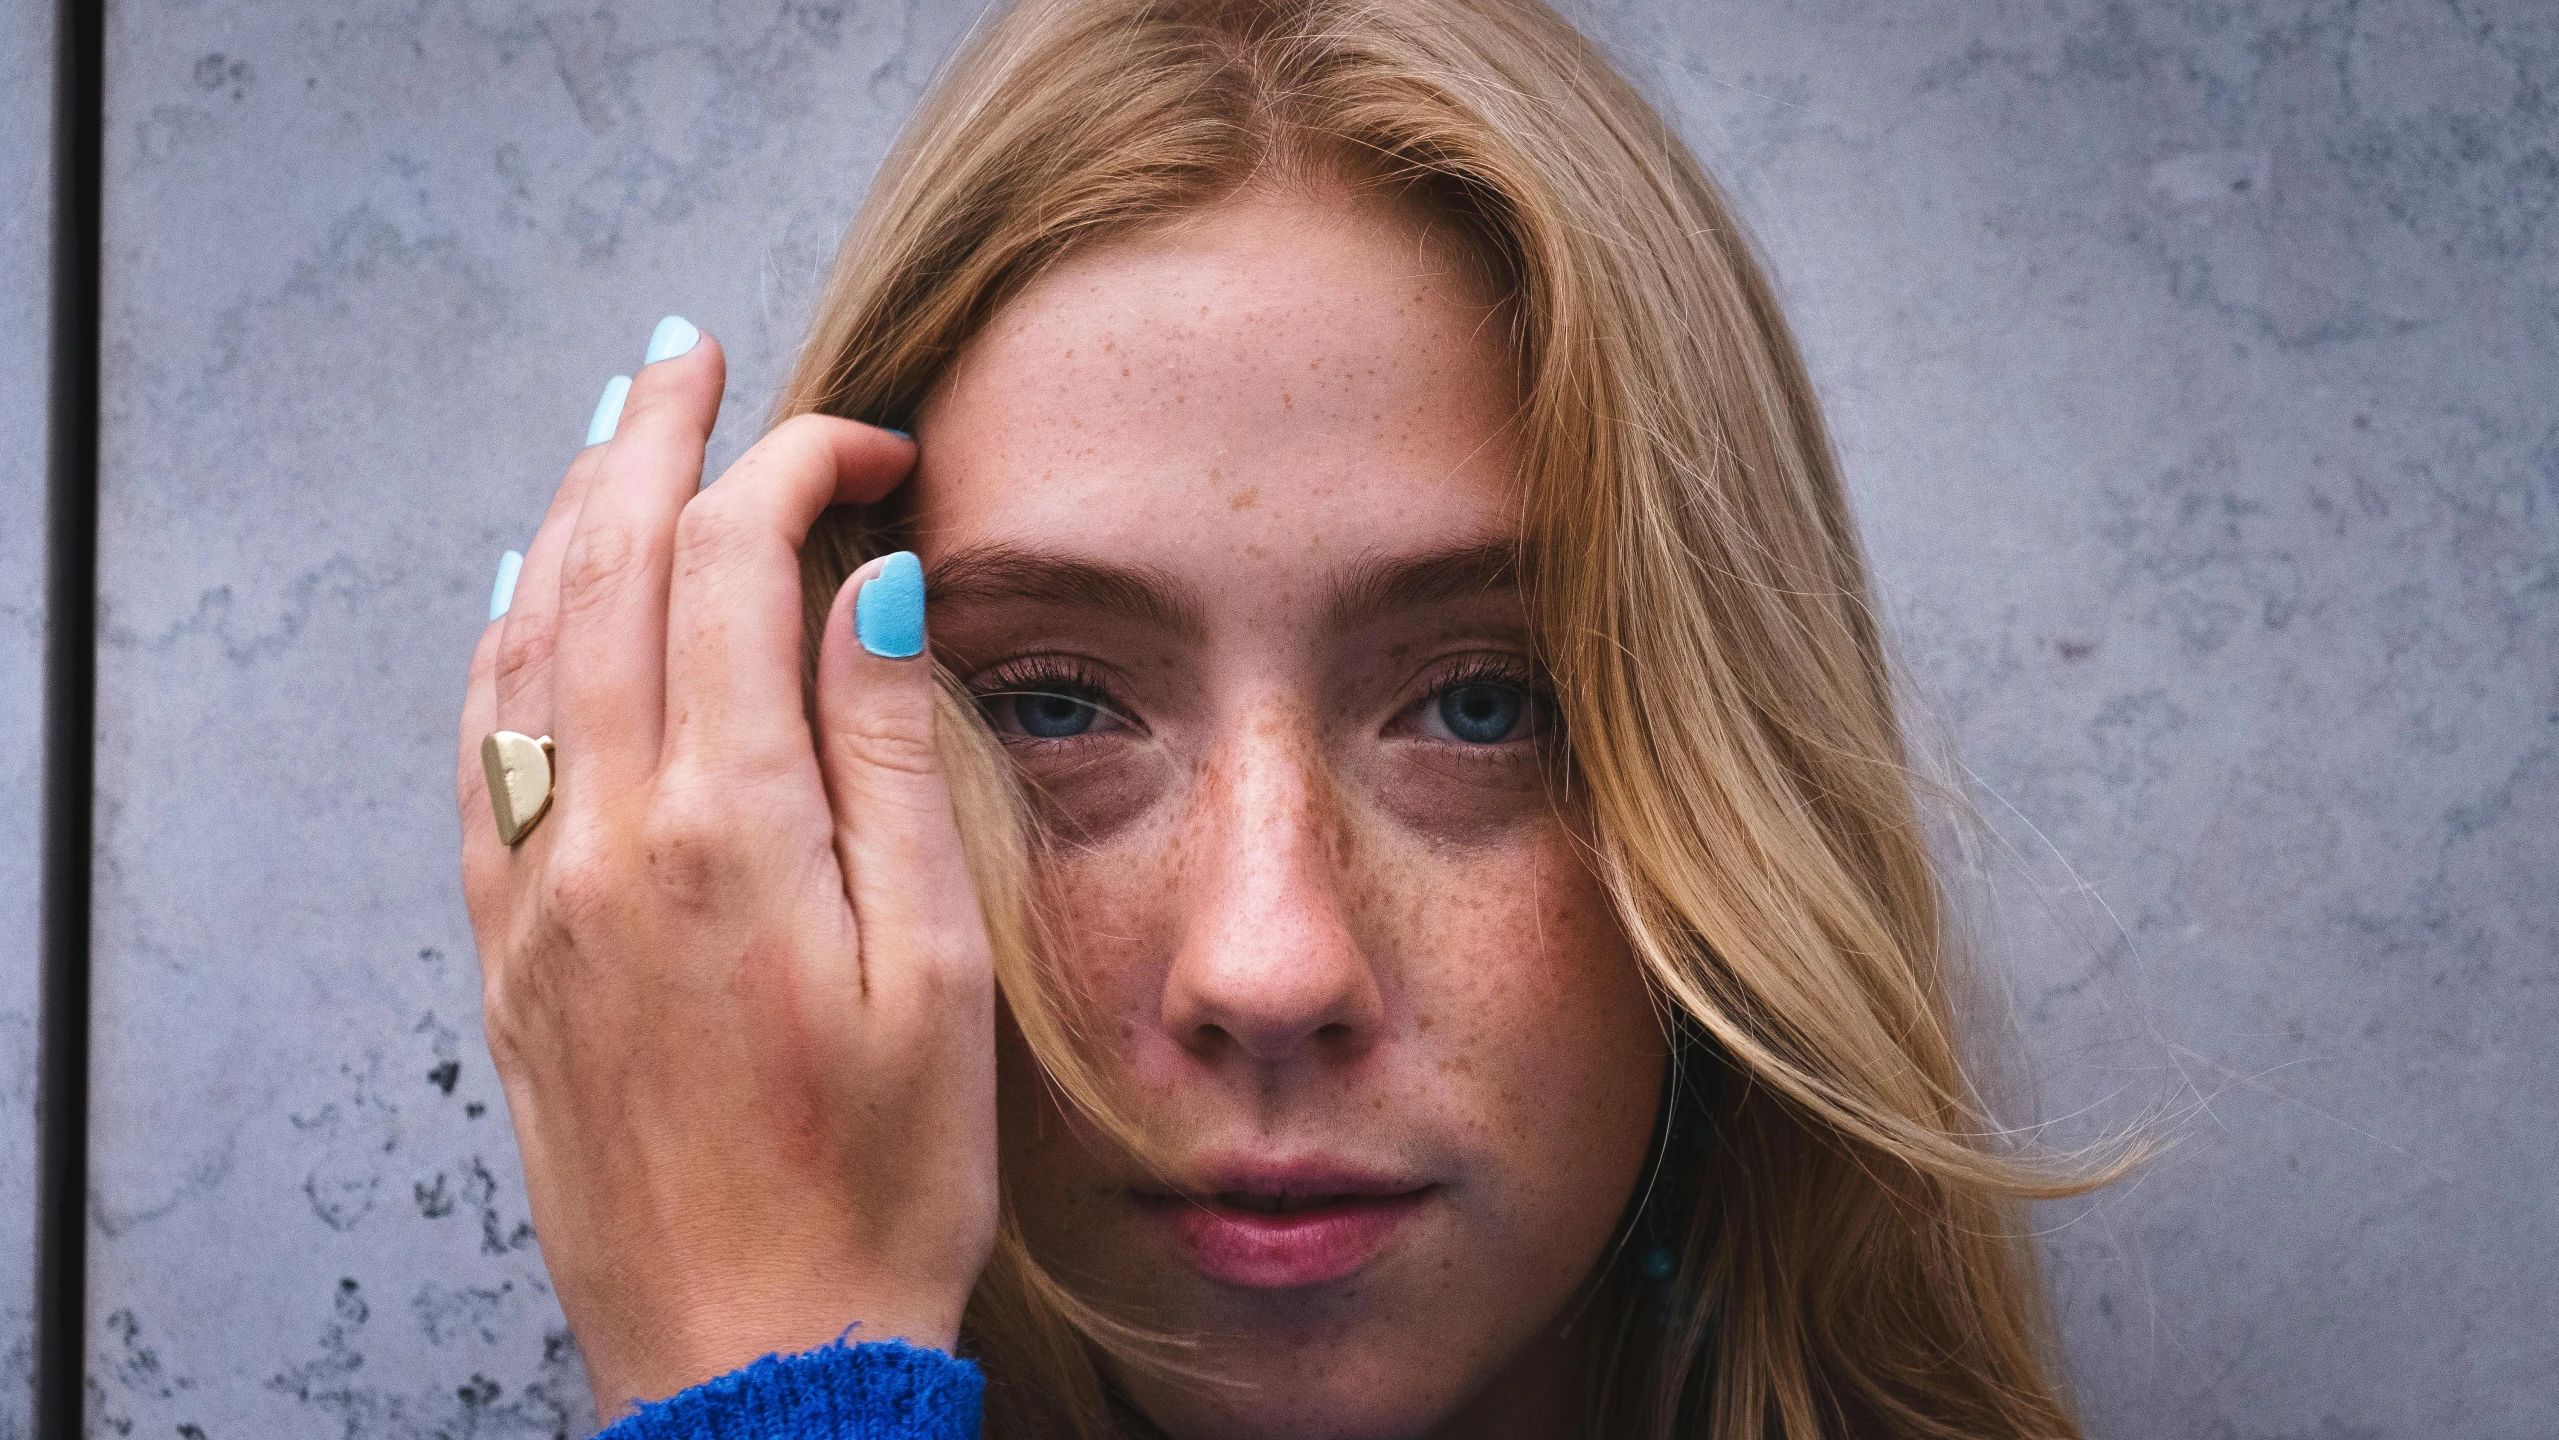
(888, 611)
(510, 565)
(608, 410)
(673, 337)
(902, 435)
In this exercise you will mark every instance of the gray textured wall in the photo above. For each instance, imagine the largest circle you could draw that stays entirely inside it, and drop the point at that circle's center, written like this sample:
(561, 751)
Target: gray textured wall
(2195, 370)
(2191, 365)
(366, 268)
(26, 231)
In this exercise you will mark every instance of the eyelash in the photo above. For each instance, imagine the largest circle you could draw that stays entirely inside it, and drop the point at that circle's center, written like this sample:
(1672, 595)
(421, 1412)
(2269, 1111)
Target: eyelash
(1061, 675)
(1069, 677)
(1509, 671)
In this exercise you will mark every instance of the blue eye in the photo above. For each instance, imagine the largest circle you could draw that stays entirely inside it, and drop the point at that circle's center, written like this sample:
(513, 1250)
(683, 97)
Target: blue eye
(1048, 716)
(1481, 714)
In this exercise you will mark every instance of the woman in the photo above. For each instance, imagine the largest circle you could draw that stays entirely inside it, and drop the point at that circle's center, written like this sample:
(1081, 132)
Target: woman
(1385, 900)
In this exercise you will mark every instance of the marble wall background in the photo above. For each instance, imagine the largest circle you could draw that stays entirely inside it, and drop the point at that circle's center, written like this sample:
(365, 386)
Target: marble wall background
(26, 234)
(2192, 365)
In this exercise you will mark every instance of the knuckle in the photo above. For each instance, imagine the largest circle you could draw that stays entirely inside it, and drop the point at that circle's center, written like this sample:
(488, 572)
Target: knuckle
(898, 744)
(577, 888)
(943, 976)
(538, 947)
(808, 428)
(501, 1021)
(524, 649)
(954, 962)
(518, 1015)
(511, 972)
(597, 560)
(581, 472)
(712, 528)
(687, 843)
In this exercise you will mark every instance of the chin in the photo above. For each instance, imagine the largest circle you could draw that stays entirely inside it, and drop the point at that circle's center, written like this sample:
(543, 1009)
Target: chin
(1271, 1390)
(1392, 1347)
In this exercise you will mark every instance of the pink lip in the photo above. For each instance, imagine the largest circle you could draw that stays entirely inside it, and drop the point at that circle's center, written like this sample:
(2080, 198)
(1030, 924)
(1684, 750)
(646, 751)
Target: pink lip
(1357, 1215)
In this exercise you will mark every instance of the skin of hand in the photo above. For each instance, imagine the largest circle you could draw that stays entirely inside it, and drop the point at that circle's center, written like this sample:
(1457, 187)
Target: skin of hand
(1317, 927)
(736, 982)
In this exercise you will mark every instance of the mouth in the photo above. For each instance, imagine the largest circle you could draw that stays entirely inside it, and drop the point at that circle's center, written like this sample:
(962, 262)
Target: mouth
(1286, 1228)
(1251, 1203)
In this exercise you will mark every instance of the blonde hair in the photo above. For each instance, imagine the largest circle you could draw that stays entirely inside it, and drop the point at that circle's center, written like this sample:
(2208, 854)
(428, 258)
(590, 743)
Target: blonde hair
(1848, 1234)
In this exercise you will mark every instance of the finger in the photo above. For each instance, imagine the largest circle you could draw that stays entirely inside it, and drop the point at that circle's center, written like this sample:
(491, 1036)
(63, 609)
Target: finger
(483, 855)
(611, 668)
(531, 616)
(734, 627)
(913, 900)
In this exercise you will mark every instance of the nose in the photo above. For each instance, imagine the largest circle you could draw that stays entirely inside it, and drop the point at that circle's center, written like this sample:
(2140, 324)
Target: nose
(1270, 968)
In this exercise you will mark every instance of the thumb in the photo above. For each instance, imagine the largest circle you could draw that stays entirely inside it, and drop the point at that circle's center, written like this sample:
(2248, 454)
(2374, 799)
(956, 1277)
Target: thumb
(914, 905)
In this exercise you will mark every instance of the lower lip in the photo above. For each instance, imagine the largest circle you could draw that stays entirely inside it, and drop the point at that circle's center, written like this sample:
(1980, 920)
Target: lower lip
(1284, 1252)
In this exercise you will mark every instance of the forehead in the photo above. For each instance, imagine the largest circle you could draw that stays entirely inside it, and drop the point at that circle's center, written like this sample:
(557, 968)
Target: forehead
(1285, 383)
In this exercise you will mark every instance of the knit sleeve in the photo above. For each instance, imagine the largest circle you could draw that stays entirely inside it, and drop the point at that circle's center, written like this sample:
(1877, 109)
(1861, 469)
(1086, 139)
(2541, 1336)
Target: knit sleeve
(882, 1390)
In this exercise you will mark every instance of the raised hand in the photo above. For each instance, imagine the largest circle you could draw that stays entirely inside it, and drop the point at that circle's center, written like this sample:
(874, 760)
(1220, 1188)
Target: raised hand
(741, 1001)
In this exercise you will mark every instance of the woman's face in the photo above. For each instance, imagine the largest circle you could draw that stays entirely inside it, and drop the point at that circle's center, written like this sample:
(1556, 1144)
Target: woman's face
(1219, 522)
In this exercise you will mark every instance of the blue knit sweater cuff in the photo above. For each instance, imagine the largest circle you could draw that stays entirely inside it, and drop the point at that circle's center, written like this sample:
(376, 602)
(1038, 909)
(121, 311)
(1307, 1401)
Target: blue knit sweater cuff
(882, 1390)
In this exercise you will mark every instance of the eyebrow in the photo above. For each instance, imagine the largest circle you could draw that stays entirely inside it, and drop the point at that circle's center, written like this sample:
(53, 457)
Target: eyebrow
(986, 573)
(1462, 572)
(1369, 587)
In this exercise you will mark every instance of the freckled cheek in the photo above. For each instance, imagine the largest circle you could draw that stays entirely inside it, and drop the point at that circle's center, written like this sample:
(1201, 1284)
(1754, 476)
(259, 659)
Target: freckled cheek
(1118, 909)
(1522, 998)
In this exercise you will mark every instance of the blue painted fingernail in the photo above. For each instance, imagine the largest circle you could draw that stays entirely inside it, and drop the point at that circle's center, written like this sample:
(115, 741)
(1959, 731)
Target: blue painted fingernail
(608, 410)
(510, 565)
(674, 336)
(888, 611)
(902, 435)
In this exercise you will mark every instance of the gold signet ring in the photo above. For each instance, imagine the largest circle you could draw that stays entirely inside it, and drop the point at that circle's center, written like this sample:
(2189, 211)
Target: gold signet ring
(519, 769)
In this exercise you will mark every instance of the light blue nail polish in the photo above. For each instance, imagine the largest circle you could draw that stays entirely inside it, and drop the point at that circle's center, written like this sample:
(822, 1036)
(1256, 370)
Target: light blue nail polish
(510, 565)
(608, 410)
(674, 336)
(888, 611)
(902, 435)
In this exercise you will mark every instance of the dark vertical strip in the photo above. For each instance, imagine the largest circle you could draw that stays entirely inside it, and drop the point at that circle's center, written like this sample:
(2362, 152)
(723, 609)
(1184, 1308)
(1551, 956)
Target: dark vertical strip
(70, 719)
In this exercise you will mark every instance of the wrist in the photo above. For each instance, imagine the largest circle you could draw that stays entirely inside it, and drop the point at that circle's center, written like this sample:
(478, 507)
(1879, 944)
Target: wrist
(867, 1389)
(683, 1346)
